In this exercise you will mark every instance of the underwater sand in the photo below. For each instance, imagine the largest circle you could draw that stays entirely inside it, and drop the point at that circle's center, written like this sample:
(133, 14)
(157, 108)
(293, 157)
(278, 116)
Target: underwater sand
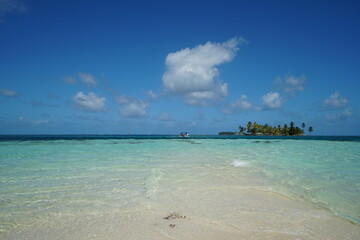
(217, 188)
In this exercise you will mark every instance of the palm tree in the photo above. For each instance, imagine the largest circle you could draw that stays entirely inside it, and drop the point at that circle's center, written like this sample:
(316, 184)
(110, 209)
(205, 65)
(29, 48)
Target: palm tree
(241, 130)
(255, 128)
(285, 129)
(310, 130)
(298, 131)
(303, 125)
(291, 132)
(248, 126)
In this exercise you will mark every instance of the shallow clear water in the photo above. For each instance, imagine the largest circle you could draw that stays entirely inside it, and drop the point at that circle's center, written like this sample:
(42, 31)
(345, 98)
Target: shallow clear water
(326, 173)
(54, 177)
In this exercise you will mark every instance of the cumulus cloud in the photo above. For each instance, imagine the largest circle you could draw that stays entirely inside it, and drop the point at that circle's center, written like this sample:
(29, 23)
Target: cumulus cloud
(8, 93)
(272, 100)
(334, 102)
(201, 98)
(193, 72)
(90, 102)
(241, 103)
(135, 109)
(290, 84)
(88, 79)
(132, 108)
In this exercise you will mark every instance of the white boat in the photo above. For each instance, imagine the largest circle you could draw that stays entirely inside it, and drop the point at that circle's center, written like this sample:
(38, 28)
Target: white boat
(184, 134)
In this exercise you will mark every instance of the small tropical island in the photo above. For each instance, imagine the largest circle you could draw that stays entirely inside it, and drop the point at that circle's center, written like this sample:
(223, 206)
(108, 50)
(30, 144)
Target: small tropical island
(256, 129)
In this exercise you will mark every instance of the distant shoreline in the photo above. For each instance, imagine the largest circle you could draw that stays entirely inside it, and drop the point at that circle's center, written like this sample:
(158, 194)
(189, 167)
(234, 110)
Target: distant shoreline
(81, 137)
(256, 134)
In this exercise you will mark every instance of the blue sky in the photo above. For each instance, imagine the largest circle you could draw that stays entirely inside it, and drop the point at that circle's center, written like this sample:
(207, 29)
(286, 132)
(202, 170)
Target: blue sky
(161, 67)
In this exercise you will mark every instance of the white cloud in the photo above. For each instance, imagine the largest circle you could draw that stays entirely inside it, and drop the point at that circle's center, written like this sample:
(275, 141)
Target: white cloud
(132, 108)
(241, 103)
(272, 100)
(151, 95)
(90, 102)
(290, 84)
(123, 99)
(88, 79)
(136, 109)
(69, 80)
(8, 92)
(193, 72)
(335, 102)
(343, 115)
(201, 98)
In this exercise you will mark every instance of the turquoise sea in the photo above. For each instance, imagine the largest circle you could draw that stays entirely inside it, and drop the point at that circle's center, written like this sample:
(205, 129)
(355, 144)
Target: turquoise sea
(54, 180)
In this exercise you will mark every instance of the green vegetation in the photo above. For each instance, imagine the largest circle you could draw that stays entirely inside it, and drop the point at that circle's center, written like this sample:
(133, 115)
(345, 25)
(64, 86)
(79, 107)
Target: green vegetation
(257, 129)
(311, 130)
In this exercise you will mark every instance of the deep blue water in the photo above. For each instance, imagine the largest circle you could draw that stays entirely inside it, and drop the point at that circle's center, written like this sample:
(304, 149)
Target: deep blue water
(104, 137)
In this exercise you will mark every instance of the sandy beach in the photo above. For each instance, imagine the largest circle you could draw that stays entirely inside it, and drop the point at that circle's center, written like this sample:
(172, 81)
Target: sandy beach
(242, 214)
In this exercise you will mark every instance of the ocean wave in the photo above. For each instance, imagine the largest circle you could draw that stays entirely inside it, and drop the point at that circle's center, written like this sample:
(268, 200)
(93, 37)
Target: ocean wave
(151, 183)
(239, 163)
